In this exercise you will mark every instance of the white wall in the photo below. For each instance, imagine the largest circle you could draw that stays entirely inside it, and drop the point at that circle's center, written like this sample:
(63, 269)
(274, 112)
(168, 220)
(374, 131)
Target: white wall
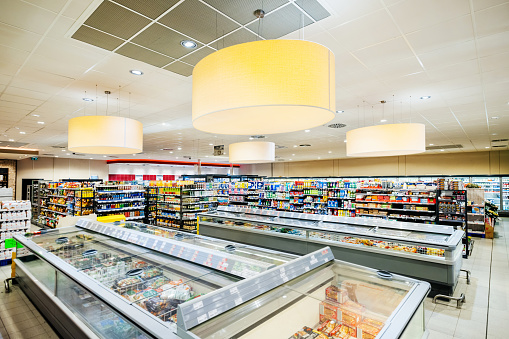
(153, 169)
(59, 168)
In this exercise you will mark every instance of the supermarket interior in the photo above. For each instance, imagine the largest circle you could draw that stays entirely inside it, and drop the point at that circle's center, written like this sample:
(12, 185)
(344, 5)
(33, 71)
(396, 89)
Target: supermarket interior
(305, 169)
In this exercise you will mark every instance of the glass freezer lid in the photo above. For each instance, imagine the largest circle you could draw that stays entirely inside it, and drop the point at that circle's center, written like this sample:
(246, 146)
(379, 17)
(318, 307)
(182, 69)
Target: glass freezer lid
(241, 250)
(155, 282)
(338, 297)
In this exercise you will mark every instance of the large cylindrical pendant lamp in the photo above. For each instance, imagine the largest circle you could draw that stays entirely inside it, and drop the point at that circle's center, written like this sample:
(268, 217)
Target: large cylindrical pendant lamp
(252, 152)
(98, 134)
(264, 87)
(386, 140)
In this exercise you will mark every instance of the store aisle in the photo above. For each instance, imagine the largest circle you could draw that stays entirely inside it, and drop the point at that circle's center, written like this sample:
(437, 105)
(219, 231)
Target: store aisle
(486, 311)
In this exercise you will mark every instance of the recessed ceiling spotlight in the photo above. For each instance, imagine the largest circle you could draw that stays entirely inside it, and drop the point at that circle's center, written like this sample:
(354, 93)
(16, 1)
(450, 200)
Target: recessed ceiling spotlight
(91, 158)
(319, 158)
(40, 122)
(35, 115)
(294, 145)
(171, 151)
(134, 153)
(491, 133)
(68, 153)
(176, 157)
(345, 140)
(188, 43)
(340, 112)
(22, 133)
(431, 144)
(211, 144)
(290, 159)
(104, 156)
(330, 152)
(179, 148)
(164, 124)
(206, 156)
(487, 147)
(63, 150)
(179, 133)
(88, 99)
(441, 150)
(56, 156)
(383, 120)
(136, 72)
(307, 131)
(426, 97)
(251, 138)
(494, 117)
(11, 139)
(293, 155)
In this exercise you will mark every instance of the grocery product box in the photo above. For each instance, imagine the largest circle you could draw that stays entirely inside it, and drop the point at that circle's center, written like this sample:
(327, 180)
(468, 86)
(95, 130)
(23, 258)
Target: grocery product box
(328, 311)
(336, 294)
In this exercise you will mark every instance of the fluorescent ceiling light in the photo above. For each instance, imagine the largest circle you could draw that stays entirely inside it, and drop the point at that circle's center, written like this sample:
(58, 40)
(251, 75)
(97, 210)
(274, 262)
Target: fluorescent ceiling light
(136, 72)
(40, 122)
(88, 99)
(426, 97)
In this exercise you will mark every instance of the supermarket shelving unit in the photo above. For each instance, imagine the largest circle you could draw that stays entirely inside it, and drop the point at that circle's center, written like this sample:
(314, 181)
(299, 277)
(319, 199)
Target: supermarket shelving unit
(151, 205)
(177, 207)
(126, 199)
(452, 210)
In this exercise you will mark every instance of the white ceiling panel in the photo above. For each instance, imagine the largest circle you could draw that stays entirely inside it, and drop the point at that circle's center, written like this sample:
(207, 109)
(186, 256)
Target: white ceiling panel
(373, 63)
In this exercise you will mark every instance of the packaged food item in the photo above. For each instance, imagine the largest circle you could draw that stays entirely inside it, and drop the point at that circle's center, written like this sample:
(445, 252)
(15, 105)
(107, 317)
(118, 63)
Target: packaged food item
(305, 333)
(336, 294)
(369, 328)
(329, 311)
(348, 317)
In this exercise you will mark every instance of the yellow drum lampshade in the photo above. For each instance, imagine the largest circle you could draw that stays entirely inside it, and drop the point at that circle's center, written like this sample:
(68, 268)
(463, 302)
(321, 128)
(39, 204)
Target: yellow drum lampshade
(98, 134)
(252, 152)
(386, 140)
(264, 87)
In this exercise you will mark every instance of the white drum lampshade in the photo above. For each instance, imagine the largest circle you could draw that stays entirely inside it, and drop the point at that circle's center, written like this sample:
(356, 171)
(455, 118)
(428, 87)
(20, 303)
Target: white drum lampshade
(386, 140)
(264, 87)
(252, 152)
(99, 134)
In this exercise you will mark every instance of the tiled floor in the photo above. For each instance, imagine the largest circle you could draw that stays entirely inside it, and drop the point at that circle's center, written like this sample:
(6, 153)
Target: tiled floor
(486, 311)
(484, 315)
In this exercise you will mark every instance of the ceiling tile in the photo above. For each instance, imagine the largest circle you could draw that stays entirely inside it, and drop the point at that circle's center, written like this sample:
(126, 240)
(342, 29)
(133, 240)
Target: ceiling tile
(152, 9)
(483, 4)
(164, 40)
(145, 55)
(26, 16)
(195, 57)
(114, 19)
(442, 35)
(242, 10)
(51, 5)
(198, 21)
(493, 44)
(413, 15)
(368, 30)
(95, 37)
(180, 68)
(492, 20)
(13, 37)
(387, 51)
(449, 55)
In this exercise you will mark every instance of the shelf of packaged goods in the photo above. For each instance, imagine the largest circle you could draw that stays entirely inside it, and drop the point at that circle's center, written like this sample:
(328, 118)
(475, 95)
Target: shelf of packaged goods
(404, 195)
(471, 222)
(54, 203)
(340, 208)
(475, 214)
(393, 209)
(57, 212)
(176, 203)
(199, 203)
(14, 230)
(197, 196)
(284, 199)
(171, 209)
(296, 203)
(339, 198)
(451, 213)
(451, 220)
(120, 191)
(393, 189)
(99, 201)
(45, 216)
(476, 232)
(396, 202)
(371, 215)
(315, 195)
(342, 188)
(450, 200)
(241, 193)
(174, 217)
(16, 210)
(134, 218)
(17, 219)
(313, 208)
(195, 189)
(59, 196)
(410, 218)
(121, 209)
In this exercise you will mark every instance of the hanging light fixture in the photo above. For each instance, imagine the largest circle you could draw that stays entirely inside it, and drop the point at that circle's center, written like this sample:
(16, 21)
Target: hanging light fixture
(386, 140)
(105, 134)
(264, 87)
(252, 152)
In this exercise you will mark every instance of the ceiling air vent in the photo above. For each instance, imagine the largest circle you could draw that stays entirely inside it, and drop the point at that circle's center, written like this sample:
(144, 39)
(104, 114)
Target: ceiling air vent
(499, 146)
(439, 147)
(257, 137)
(336, 125)
(49, 155)
(305, 145)
(58, 146)
(499, 140)
(280, 159)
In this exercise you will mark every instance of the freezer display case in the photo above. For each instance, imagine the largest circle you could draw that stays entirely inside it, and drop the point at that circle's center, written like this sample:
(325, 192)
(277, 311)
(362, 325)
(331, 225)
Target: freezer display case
(429, 252)
(97, 280)
(505, 195)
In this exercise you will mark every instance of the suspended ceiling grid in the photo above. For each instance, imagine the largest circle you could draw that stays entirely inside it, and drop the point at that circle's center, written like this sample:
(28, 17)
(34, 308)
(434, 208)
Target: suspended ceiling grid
(455, 51)
(152, 31)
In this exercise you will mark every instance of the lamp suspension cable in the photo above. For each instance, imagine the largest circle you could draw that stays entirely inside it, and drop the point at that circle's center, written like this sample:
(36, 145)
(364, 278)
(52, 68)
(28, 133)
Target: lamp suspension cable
(96, 99)
(393, 116)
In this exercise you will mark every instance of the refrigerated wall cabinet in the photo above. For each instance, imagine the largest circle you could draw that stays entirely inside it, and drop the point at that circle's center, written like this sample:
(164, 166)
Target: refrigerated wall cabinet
(97, 280)
(423, 251)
